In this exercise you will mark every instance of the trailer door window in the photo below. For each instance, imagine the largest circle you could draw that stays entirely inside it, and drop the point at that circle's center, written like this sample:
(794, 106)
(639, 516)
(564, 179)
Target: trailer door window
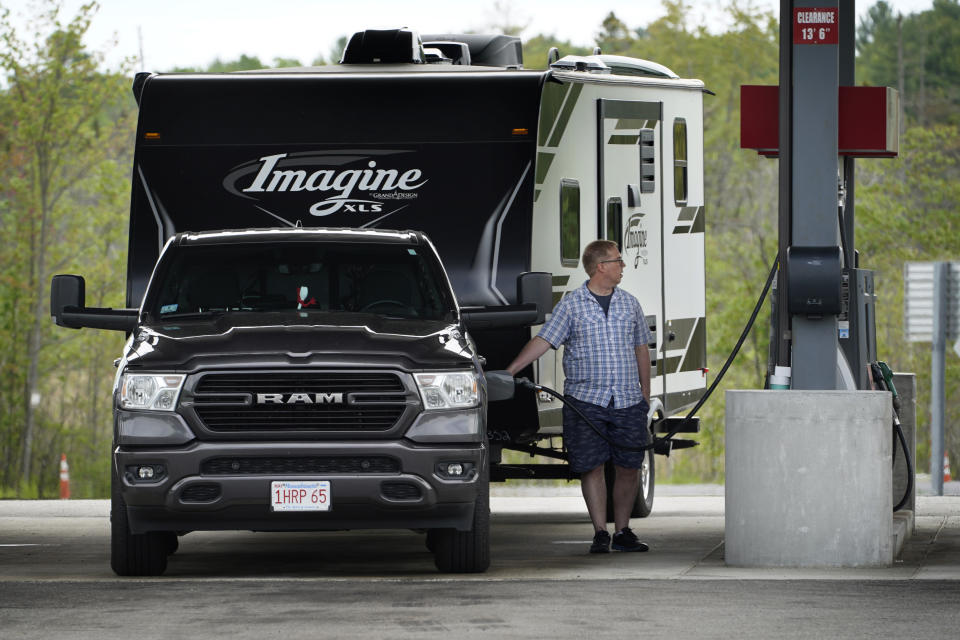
(680, 161)
(614, 219)
(569, 223)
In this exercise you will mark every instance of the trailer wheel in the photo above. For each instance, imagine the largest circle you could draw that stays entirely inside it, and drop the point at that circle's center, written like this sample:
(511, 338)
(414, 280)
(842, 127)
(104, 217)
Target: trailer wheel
(465, 551)
(131, 554)
(643, 504)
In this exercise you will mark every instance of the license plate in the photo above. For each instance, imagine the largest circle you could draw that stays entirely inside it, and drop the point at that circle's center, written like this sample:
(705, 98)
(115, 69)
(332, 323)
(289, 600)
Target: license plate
(293, 495)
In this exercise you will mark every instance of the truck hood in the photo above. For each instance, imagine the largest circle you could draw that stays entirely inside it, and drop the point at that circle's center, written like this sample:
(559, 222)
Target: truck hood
(292, 339)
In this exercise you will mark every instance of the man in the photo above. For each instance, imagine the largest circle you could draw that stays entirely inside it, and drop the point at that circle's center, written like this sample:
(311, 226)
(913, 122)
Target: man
(607, 369)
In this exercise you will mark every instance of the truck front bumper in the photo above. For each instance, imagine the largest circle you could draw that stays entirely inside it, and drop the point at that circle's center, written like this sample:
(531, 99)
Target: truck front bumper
(186, 495)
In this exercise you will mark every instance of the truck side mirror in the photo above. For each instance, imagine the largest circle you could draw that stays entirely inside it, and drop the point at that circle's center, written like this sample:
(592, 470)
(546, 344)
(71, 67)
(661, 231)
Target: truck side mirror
(536, 287)
(66, 291)
(68, 308)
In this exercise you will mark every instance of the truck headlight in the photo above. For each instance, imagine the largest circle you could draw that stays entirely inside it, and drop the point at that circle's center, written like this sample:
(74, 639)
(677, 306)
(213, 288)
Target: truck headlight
(454, 390)
(150, 391)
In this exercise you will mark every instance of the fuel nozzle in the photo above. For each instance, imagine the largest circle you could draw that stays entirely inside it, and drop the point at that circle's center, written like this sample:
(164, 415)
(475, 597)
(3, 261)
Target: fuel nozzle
(883, 375)
(526, 383)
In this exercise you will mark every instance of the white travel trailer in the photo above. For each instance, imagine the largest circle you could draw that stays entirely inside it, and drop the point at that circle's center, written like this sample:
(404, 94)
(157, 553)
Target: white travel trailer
(620, 156)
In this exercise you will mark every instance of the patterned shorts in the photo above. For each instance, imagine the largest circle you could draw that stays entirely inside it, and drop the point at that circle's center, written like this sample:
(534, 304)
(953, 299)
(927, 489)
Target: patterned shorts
(587, 450)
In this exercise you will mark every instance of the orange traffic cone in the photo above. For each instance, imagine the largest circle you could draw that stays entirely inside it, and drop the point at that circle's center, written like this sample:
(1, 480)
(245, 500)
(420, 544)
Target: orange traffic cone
(946, 467)
(64, 477)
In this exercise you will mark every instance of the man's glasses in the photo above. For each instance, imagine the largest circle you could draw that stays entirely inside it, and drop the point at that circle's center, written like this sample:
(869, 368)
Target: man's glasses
(620, 260)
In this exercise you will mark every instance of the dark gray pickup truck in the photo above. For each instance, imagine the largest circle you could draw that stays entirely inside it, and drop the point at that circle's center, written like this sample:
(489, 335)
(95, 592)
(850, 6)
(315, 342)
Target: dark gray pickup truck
(294, 379)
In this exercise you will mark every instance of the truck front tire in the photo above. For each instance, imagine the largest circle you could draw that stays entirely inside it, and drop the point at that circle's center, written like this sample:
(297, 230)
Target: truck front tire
(465, 551)
(134, 554)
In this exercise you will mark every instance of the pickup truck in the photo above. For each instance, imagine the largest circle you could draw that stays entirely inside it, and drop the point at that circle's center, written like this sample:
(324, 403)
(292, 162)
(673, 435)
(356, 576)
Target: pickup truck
(294, 379)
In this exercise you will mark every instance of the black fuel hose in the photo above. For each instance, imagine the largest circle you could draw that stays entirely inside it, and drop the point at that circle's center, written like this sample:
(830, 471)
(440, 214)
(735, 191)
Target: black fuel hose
(906, 458)
(664, 442)
(524, 382)
(886, 383)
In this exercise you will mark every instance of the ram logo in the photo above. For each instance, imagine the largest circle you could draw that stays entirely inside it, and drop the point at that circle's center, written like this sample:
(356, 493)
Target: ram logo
(300, 398)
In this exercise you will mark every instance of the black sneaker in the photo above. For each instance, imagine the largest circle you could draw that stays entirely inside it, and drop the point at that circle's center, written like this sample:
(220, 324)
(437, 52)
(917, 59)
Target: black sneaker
(601, 542)
(626, 540)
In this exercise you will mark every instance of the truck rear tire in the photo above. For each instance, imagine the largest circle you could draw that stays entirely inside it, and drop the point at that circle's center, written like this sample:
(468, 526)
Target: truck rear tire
(466, 551)
(643, 504)
(131, 554)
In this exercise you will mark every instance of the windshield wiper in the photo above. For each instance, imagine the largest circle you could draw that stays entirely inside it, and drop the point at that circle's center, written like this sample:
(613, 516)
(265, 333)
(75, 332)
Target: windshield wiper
(187, 315)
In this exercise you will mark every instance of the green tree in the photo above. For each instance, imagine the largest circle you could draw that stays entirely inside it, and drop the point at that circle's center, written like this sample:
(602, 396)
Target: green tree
(280, 63)
(243, 63)
(918, 54)
(336, 52)
(614, 37)
(67, 128)
(504, 19)
(536, 48)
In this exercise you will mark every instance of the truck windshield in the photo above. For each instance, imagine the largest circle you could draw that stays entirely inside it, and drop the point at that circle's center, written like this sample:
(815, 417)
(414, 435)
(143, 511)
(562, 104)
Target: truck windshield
(393, 280)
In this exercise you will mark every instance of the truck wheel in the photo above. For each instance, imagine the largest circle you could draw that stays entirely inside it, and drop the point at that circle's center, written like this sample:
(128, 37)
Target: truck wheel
(465, 551)
(643, 504)
(171, 541)
(134, 554)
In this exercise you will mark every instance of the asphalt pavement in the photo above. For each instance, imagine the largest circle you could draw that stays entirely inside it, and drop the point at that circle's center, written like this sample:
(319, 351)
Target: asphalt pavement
(55, 580)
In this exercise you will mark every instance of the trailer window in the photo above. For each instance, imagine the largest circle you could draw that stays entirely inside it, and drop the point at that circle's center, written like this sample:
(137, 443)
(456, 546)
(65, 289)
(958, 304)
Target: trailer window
(680, 161)
(648, 161)
(569, 223)
(614, 220)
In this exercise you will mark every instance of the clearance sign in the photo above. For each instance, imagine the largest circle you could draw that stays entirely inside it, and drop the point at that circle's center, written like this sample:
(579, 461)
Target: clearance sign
(815, 25)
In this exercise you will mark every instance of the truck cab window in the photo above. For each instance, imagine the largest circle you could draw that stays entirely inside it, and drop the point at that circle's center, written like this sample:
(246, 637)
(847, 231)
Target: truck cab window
(391, 280)
(569, 223)
(680, 161)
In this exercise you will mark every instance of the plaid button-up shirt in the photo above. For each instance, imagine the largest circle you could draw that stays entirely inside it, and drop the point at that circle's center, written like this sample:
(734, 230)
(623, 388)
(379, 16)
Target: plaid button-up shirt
(599, 360)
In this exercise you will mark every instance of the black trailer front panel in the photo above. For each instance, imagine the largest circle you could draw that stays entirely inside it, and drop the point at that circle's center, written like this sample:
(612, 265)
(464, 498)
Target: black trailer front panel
(450, 154)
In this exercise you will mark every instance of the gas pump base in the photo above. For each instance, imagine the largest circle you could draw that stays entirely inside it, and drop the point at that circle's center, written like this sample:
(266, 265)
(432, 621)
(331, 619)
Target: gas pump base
(809, 480)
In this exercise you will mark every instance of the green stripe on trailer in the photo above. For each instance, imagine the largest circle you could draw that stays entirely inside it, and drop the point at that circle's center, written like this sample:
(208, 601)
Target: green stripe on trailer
(544, 160)
(571, 101)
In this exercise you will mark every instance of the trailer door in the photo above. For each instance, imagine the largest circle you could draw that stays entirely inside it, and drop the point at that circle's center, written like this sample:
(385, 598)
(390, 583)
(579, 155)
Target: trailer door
(683, 265)
(629, 207)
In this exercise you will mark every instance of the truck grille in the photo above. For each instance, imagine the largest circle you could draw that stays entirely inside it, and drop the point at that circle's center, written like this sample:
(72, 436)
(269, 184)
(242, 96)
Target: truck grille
(300, 401)
(302, 465)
